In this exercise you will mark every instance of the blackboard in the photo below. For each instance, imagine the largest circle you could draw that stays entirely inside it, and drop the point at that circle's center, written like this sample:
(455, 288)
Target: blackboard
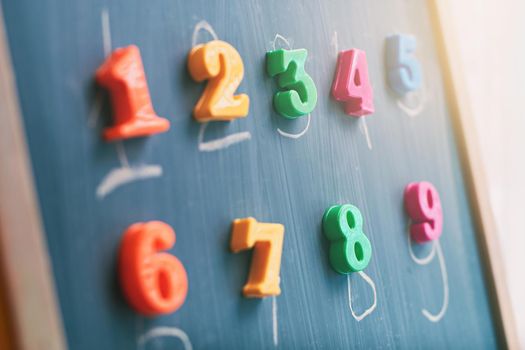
(56, 46)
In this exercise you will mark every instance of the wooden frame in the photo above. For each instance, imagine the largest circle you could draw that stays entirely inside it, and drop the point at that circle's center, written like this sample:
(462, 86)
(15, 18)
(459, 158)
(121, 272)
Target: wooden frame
(33, 318)
(474, 173)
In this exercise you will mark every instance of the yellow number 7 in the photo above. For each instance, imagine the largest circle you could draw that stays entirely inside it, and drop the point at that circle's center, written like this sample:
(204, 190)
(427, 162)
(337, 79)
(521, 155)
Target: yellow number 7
(267, 239)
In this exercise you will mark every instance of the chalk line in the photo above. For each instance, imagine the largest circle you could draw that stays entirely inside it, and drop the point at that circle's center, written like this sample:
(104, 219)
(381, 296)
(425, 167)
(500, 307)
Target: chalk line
(166, 332)
(106, 31)
(363, 127)
(436, 247)
(364, 130)
(106, 40)
(123, 175)
(202, 25)
(222, 143)
(283, 39)
(335, 43)
(419, 261)
(274, 321)
(95, 110)
(287, 45)
(409, 110)
(227, 141)
(374, 304)
(444, 276)
(296, 136)
(121, 153)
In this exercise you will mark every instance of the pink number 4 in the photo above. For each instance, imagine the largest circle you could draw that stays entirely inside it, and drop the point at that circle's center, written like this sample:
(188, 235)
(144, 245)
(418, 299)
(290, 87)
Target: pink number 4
(351, 84)
(424, 208)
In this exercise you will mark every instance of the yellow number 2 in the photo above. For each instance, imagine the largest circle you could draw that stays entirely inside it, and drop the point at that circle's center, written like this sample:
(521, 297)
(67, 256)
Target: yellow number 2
(220, 64)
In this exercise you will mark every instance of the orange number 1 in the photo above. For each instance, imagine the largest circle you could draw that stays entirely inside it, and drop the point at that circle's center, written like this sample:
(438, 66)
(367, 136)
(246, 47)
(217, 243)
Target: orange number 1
(123, 74)
(220, 64)
(267, 239)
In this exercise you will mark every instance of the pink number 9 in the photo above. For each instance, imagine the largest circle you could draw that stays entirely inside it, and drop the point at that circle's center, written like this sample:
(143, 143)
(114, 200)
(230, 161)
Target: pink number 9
(424, 208)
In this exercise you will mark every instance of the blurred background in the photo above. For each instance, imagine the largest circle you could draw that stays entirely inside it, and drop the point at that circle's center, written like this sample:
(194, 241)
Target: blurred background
(491, 48)
(490, 37)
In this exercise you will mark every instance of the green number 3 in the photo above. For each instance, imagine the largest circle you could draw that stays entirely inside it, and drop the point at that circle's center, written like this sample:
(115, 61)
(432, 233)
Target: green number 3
(299, 95)
(350, 249)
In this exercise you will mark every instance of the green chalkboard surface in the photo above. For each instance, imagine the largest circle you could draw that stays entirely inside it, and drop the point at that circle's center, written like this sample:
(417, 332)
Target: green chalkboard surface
(198, 178)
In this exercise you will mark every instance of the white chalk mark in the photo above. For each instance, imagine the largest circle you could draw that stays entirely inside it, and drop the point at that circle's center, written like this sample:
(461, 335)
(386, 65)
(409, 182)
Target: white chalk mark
(286, 44)
(202, 25)
(364, 130)
(283, 40)
(362, 126)
(335, 43)
(444, 276)
(419, 261)
(106, 31)
(106, 40)
(407, 103)
(123, 175)
(166, 332)
(436, 247)
(95, 111)
(274, 321)
(296, 136)
(374, 304)
(222, 143)
(229, 140)
(121, 153)
(139, 326)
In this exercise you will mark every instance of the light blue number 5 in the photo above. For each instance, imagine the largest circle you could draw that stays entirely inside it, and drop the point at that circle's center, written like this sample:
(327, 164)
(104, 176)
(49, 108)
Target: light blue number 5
(404, 71)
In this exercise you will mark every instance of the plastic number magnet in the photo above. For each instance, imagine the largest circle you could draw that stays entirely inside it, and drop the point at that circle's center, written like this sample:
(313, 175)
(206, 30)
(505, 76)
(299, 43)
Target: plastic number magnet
(123, 75)
(267, 240)
(424, 208)
(299, 94)
(351, 84)
(404, 71)
(350, 249)
(154, 282)
(220, 64)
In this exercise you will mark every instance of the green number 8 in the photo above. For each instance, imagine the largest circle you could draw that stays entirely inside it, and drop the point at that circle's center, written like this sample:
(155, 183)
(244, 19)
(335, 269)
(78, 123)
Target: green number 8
(300, 96)
(350, 249)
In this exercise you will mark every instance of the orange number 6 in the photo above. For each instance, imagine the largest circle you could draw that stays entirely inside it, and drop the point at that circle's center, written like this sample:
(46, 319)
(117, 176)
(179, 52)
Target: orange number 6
(267, 239)
(220, 64)
(154, 282)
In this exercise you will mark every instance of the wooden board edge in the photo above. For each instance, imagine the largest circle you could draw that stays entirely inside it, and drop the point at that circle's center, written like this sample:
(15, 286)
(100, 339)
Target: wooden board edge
(473, 168)
(23, 251)
(30, 293)
(7, 340)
